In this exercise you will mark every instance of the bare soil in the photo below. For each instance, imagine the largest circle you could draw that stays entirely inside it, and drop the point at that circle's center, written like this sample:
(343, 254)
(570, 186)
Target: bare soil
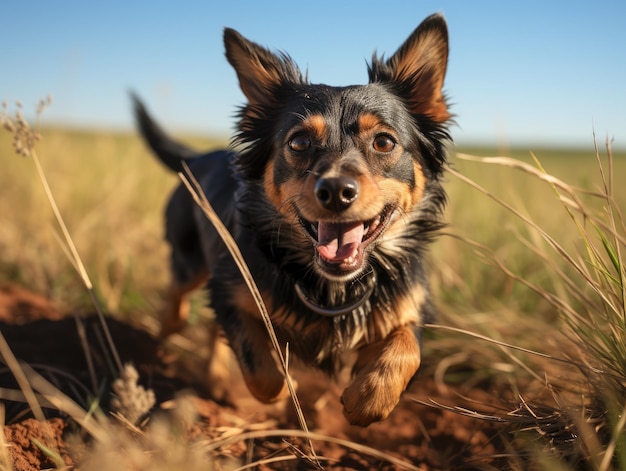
(424, 436)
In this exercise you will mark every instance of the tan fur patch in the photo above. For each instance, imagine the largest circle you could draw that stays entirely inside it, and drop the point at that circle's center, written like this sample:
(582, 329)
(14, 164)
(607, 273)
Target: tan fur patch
(384, 370)
(316, 125)
(408, 308)
(387, 189)
(367, 122)
(425, 65)
(174, 315)
(273, 193)
(403, 311)
(420, 182)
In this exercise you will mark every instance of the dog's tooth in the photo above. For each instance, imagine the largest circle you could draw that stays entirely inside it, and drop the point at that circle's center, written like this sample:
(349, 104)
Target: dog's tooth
(372, 225)
(353, 258)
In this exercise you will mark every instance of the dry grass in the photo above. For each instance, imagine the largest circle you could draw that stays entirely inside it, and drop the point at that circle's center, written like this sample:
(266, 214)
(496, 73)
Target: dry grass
(581, 284)
(111, 193)
(533, 263)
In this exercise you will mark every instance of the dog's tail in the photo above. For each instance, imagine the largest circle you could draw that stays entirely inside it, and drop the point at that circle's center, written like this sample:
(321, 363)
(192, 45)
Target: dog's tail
(170, 152)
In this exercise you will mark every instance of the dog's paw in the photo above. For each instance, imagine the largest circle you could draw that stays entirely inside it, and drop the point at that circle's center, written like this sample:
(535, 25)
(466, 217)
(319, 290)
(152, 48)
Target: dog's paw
(369, 400)
(268, 392)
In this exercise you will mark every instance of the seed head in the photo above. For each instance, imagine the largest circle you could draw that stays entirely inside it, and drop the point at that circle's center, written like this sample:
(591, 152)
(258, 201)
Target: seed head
(24, 137)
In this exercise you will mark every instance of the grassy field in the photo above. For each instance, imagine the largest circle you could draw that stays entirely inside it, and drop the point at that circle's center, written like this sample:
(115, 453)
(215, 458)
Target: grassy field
(111, 193)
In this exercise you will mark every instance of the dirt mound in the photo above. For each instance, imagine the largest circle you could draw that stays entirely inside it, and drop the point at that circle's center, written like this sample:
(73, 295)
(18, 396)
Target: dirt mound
(418, 435)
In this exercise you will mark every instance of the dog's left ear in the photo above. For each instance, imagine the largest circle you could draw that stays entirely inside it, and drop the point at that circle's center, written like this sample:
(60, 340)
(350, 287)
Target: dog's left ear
(417, 70)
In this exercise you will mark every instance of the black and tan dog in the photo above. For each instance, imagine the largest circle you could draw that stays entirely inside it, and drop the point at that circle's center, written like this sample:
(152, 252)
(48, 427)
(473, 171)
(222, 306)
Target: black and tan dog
(332, 197)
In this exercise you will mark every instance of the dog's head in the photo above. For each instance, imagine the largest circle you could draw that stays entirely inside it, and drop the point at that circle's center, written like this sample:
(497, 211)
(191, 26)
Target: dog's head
(347, 165)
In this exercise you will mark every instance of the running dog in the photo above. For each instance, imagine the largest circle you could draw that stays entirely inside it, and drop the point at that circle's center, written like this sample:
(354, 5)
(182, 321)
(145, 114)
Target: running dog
(332, 194)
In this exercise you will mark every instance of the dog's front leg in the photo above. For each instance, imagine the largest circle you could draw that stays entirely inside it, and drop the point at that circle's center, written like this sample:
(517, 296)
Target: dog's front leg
(259, 367)
(383, 371)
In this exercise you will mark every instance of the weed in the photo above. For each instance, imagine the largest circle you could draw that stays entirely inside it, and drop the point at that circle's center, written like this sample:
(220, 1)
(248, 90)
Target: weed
(586, 289)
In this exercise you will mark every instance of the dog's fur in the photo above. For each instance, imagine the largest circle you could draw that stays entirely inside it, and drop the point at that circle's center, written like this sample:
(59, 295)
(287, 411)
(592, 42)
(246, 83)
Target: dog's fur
(332, 198)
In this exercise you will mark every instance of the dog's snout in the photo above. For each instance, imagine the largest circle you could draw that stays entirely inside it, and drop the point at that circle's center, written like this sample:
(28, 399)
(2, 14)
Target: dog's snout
(336, 193)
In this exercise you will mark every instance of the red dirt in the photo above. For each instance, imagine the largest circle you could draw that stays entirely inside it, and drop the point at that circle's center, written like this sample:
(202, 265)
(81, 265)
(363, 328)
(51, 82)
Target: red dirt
(38, 334)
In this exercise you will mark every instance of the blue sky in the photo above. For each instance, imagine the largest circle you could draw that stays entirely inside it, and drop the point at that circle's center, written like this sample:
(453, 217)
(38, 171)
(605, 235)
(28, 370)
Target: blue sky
(531, 73)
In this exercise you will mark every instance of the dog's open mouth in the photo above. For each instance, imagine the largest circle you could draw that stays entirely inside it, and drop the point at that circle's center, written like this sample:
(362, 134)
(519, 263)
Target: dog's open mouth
(341, 246)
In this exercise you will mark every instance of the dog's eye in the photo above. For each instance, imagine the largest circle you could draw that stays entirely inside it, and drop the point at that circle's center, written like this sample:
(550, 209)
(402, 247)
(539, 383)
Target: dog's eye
(300, 143)
(383, 143)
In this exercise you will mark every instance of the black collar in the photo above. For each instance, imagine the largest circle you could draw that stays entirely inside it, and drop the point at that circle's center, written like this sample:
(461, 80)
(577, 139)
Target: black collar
(336, 311)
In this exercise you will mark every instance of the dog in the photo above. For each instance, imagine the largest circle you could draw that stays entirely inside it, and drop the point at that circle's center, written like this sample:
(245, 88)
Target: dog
(332, 196)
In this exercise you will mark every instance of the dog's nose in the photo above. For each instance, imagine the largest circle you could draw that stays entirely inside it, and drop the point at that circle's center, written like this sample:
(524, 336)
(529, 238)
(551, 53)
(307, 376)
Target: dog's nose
(336, 193)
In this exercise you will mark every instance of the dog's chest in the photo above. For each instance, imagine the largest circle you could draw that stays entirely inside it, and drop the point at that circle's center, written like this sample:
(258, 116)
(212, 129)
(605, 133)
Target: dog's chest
(327, 342)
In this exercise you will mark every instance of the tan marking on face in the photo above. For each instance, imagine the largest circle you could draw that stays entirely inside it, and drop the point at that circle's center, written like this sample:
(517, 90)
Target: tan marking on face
(411, 198)
(282, 196)
(370, 125)
(273, 193)
(292, 190)
(367, 122)
(316, 125)
(420, 183)
(392, 190)
(370, 129)
(408, 201)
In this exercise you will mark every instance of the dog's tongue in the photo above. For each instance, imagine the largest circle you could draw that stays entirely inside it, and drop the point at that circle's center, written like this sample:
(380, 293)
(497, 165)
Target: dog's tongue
(338, 242)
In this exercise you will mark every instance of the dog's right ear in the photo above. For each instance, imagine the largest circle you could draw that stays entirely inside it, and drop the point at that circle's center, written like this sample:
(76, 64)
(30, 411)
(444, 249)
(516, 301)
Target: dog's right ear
(417, 70)
(260, 71)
